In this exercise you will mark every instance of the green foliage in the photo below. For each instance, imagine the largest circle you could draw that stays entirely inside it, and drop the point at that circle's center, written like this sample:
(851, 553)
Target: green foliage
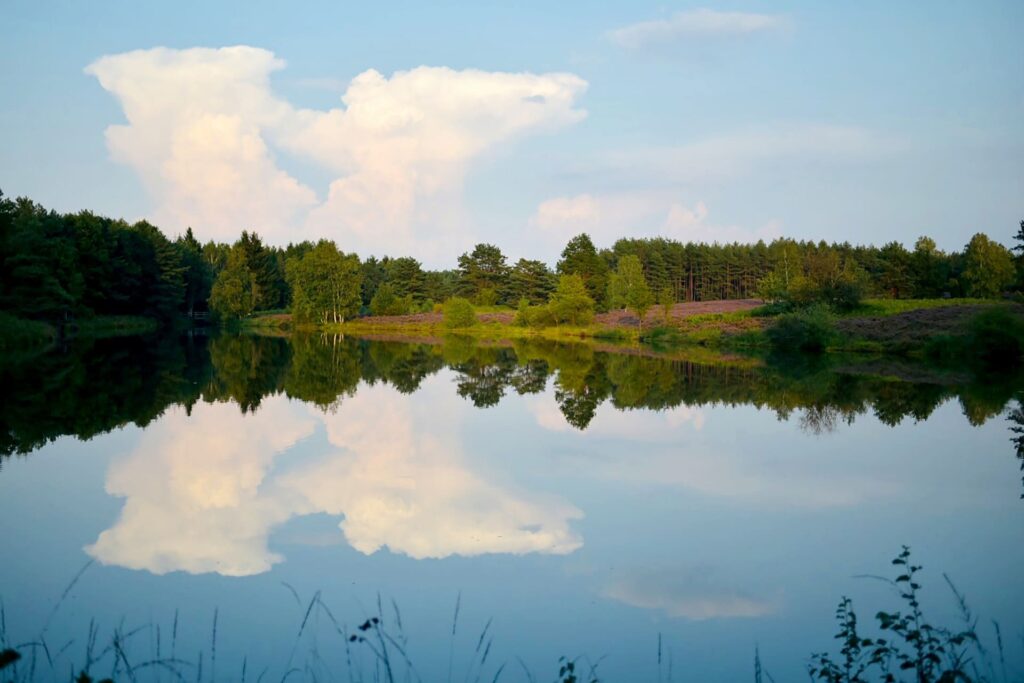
(907, 643)
(666, 301)
(522, 318)
(269, 287)
(581, 258)
(627, 288)
(570, 303)
(405, 274)
(996, 337)
(459, 313)
(374, 274)
(895, 276)
(822, 279)
(539, 317)
(487, 296)
(64, 267)
(988, 267)
(386, 302)
(530, 280)
(197, 273)
(483, 268)
(325, 284)
(811, 329)
(234, 292)
(991, 340)
(930, 269)
(662, 337)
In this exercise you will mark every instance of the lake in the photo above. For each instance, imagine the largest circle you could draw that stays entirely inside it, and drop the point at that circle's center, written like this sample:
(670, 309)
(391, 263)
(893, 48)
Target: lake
(246, 501)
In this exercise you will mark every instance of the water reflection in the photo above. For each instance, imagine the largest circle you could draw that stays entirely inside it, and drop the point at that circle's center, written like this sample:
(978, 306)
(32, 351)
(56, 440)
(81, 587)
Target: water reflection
(195, 490)
(202, 491)
(695, 593)
(91, 388)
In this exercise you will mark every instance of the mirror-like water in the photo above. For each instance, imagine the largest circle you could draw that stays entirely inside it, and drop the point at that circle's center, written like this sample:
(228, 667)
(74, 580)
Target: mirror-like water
(590, 503)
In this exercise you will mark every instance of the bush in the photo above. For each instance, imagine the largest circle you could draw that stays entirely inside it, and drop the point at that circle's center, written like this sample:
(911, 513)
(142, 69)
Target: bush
(811, 329)
(387, 302)
(522, 318)
(996, 337)
(570, 302)
(487, 297)
(841, 289)
(458, 312)
(663, 336)
(541, 316)
(845, 294)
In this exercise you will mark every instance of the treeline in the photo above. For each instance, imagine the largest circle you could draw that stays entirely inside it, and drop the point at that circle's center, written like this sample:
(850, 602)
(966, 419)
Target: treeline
(57, 266)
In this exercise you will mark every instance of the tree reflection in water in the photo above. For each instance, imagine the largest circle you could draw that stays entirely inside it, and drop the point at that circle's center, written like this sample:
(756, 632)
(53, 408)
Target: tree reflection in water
(89, 388)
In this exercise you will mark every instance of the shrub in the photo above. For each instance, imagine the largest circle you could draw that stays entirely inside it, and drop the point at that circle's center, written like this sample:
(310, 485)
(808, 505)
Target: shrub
(522, 318)
(663, 336)
(570, 302)
(458, 312)
(996, 337)
(811, 329)
(845, 294)
(541, 316)
(387, 302)
(438, 308)
(487, 297)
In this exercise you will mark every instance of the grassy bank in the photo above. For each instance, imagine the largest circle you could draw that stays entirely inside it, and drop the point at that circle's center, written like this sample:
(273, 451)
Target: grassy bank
(908, 327)
(268, 321)
(486, 331)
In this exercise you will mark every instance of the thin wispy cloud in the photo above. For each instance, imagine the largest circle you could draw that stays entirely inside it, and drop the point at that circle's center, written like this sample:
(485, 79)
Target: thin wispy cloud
(695, 593)
(695, 23)
(609, 216)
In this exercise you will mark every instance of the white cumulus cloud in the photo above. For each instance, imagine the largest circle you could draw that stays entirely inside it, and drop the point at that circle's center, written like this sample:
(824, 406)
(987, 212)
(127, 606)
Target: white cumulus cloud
(206, 133)
(196, 135)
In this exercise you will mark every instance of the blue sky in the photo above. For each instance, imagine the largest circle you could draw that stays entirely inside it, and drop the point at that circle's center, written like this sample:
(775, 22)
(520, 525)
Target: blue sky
(521, 125)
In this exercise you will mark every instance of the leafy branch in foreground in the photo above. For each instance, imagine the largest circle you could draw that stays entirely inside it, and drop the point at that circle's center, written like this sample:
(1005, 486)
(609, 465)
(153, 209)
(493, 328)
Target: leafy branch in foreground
(909, 647)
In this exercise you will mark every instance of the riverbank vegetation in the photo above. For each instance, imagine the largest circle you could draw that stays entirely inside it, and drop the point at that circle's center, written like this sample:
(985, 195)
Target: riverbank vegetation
(907, 647)
(65, 270)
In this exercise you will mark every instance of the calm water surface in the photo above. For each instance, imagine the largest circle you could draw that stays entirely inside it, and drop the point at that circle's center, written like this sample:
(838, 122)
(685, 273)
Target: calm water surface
(589, 503)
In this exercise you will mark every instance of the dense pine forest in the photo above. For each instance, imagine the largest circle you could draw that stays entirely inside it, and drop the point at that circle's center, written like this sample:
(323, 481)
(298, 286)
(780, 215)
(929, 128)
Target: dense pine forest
(59, 267)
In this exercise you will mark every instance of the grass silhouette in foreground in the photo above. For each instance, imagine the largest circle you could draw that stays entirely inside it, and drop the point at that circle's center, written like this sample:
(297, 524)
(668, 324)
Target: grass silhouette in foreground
(908, 649)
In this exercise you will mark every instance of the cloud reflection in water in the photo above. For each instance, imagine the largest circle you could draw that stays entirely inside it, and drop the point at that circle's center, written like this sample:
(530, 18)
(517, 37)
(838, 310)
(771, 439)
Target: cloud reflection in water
(202, 494)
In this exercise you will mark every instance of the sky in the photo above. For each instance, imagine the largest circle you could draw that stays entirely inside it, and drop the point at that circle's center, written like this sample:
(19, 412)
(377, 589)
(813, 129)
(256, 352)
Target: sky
(422, 128)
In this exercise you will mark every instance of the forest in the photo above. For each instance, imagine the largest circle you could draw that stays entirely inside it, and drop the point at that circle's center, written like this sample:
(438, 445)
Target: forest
(63, 267)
